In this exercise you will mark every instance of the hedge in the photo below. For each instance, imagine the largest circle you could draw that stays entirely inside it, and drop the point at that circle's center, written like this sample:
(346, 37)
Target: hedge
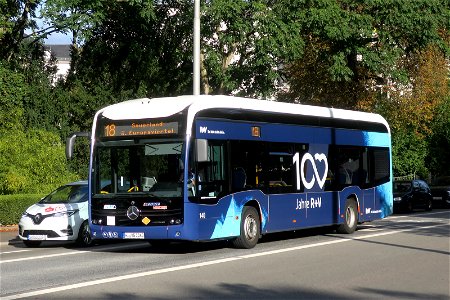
(12, 207)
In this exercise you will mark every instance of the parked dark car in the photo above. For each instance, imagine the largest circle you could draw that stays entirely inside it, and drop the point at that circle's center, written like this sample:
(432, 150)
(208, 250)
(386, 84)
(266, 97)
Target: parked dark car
(440, 190)
(412, 194)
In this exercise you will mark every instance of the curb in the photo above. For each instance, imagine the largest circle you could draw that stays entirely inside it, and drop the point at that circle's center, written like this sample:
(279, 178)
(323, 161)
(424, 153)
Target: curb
(14, 241)
(9, 235)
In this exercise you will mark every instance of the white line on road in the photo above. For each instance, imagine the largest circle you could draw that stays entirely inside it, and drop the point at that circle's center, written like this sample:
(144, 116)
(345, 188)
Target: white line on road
(115, 247)
(16, 251)
(208, 263)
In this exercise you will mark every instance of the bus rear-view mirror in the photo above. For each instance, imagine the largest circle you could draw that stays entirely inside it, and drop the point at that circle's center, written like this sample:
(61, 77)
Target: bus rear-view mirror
(202, 150)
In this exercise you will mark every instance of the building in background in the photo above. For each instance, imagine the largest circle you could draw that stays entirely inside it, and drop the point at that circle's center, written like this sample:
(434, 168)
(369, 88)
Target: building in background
(62, 55)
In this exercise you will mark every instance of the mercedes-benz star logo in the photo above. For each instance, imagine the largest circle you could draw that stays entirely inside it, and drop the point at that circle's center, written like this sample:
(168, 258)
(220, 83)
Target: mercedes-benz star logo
(133, 212)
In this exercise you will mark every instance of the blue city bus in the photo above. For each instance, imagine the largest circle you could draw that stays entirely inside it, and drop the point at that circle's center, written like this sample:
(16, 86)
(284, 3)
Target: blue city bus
(201, 168)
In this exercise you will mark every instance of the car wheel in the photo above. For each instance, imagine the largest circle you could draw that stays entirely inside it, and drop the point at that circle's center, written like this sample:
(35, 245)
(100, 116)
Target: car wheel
(409, 206)
(250, 229)
(429, 206)
(350, 218)
(84, 235)
(32, 244)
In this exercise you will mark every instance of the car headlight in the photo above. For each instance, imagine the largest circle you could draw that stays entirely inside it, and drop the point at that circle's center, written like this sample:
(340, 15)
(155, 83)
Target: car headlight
(66, 214)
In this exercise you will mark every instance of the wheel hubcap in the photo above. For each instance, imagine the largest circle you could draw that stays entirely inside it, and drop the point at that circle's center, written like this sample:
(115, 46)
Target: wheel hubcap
(350, 217)
(87, 235)
(250, 226)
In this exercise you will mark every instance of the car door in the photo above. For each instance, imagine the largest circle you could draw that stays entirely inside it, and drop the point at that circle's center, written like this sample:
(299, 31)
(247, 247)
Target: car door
(422, 193)
(416, 194)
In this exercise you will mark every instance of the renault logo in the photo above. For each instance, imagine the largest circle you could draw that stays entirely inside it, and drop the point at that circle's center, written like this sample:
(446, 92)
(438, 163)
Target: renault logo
(38, 219)
(133, 213)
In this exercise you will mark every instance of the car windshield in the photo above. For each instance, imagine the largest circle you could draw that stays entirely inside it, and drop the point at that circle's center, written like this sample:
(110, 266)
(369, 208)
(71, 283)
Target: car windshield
(153, 168)
(402, 186)
(67, 194)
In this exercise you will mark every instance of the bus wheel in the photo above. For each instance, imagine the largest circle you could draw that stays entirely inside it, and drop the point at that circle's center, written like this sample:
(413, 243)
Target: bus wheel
(84, 235)
(350, 220)
(250, 229)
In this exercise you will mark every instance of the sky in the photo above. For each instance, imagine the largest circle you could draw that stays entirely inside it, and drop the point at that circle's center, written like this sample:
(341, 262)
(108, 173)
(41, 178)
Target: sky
(58, 39)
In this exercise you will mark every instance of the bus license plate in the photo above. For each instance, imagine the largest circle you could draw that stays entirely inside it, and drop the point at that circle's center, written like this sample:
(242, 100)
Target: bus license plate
(133, 235)
(37, 237)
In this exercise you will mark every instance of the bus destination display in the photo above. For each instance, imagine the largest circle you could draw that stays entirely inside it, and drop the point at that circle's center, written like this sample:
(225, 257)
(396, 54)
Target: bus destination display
(140, 129)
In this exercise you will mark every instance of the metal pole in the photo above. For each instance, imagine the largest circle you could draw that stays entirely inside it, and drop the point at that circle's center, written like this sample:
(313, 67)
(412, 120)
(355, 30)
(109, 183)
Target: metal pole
(196, 75)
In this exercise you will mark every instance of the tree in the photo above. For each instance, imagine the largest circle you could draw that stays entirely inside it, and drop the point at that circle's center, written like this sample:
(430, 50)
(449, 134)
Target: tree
(12, 91)
(149, 44)
(439, 141)
(418, 115)
(358, 48)
(247, 43)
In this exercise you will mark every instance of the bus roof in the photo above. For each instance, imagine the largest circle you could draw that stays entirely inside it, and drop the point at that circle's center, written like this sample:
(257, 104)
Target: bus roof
(167, 106)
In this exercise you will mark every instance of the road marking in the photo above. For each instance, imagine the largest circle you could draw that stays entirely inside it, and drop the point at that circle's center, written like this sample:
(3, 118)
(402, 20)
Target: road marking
(415, 215)
(16, 251)
(115, 247)
(208, 263)
(370, 229)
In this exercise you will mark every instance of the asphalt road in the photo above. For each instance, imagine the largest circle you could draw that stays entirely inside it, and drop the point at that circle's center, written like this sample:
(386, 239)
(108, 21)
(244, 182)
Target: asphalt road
(401, 257)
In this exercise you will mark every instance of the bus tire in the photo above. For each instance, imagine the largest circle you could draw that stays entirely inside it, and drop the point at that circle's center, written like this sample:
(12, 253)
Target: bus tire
(250, 229)
(350, 218)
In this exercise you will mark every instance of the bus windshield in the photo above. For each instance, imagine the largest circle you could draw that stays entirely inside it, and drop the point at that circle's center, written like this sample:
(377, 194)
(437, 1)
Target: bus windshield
(154, 168)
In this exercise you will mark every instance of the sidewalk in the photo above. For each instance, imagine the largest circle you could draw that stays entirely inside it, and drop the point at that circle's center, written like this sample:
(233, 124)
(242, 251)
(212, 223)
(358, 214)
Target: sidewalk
(8, 235)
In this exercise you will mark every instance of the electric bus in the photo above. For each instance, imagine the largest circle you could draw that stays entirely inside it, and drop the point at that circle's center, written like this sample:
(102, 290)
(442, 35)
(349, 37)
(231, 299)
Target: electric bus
(201, 168)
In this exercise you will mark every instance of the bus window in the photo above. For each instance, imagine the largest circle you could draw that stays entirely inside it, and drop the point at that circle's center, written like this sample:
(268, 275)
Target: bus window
(211, 175)
(267, 166)
(349, 162)
(280, 171)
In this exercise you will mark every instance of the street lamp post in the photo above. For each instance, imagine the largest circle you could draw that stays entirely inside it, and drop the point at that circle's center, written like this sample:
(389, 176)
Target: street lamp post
(196, 73)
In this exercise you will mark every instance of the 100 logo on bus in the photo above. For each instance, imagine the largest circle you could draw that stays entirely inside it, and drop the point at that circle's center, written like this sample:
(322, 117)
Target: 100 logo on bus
(301, 165)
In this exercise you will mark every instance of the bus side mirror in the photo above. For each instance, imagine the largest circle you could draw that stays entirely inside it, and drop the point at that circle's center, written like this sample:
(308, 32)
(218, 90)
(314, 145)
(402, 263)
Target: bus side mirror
(202, 150)
(70, 141)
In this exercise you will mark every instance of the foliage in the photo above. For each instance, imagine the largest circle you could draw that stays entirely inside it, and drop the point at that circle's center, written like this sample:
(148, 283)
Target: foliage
(355, 50)
(419, 115)
(376, 55)
(12, 93)
(31, 162)
(12, 206)
(150, 49)
(144, 57)
(16, 17)
(246, 42)
(439, 140)
(409, 154)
